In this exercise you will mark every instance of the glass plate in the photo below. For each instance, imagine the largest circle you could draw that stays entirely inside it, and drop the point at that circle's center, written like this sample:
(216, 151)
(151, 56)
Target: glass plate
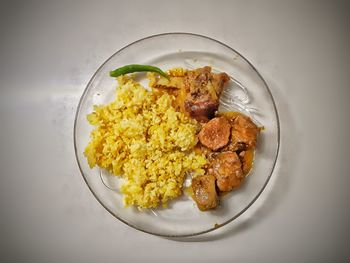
(247, 92)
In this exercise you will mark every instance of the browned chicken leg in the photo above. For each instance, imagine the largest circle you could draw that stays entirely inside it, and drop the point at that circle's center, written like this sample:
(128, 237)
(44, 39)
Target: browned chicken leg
(203, 90)
(197, 91)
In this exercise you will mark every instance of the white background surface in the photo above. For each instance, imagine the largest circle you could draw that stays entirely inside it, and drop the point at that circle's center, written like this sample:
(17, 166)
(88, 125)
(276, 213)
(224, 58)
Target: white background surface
(48, 54)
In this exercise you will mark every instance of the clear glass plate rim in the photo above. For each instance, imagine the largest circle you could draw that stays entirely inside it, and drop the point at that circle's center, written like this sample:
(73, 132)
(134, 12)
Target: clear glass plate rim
(200, 232)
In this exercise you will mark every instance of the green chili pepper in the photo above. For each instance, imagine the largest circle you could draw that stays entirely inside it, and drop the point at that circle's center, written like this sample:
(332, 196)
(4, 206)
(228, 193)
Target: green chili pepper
(136, 68)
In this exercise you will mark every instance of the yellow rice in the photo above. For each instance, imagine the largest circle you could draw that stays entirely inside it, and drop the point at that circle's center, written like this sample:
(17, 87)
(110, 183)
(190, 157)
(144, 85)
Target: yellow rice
(142, 138)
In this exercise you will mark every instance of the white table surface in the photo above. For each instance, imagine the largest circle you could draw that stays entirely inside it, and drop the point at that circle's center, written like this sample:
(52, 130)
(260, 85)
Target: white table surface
(48, 53)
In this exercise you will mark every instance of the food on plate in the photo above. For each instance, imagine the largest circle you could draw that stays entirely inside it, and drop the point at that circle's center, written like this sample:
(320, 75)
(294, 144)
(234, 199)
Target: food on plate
(215, 133)
(228, 141)
(204, 192)
(141, 137)
(244, 134)
(136, 68)
(198, 92)
(227, 169)
(154, 138)
(203, 90)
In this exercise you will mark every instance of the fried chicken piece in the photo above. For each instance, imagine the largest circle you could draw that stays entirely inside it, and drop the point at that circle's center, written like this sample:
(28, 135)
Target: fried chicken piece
(227, 169)
(203, 90)
(215, 134)
(244, 134)
(197, 91)
(204, 192)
